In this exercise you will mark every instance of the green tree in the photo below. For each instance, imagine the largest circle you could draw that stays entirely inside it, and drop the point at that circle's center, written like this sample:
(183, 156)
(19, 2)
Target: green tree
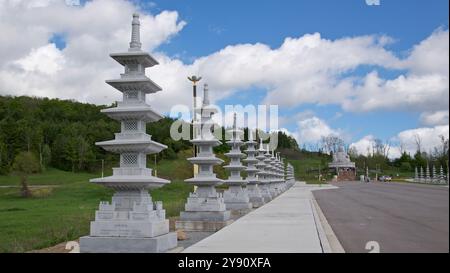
(25, 164)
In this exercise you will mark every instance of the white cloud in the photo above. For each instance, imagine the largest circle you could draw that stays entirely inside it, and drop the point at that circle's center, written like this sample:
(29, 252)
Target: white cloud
(434, 118)
(311, 130)
(46, 59)
(28, 62)
(307, 69)
(406, 141)
(364, 145)
(430, 137)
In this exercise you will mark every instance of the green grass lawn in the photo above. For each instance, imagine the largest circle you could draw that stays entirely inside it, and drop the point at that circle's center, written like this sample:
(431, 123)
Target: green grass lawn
(63, 210)
(307, 169)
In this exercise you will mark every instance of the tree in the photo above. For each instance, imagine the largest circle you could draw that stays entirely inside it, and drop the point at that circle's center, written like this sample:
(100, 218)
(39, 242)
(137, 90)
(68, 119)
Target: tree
(25, 164)
(331, 143)
(418, 141)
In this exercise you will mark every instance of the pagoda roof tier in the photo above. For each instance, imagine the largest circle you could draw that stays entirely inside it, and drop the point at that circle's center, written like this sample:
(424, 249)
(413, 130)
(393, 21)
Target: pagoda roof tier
(139, 112)
(234, 167)
(238, 142)
(131, 182)
(135, 83)
(236, 182)
(132, 145)
(204, 181)
(205, 160)
(250, 160)
(134, 57)
(212, 141)
(235, 155)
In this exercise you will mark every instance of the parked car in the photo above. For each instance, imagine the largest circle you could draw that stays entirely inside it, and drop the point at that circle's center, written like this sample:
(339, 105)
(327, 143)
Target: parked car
(385, 178)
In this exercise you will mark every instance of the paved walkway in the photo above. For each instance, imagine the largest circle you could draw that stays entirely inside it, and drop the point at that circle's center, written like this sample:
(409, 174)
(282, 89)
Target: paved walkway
(289, 223)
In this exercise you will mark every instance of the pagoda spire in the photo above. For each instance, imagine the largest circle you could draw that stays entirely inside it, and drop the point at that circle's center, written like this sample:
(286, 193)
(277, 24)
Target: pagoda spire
(135, 44)
(205, 94)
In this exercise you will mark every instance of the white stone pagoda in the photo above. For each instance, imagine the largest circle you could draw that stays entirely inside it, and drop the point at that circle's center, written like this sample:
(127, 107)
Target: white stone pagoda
(281, 178)
(290, 175)
(205, 209)
(270, 170)
(264, 182)
(236, 196)
(253, 189)
(131, 222)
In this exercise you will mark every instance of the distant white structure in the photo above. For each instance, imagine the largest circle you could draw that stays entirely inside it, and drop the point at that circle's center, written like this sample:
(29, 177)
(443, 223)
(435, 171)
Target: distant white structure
(132, 222)
(345, 169)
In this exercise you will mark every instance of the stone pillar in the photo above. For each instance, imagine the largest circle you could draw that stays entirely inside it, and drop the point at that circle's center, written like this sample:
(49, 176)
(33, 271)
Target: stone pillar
(416, 175)
(132, 222)
(253, 189)
(236, 197)
(264, 182)
(205, 209)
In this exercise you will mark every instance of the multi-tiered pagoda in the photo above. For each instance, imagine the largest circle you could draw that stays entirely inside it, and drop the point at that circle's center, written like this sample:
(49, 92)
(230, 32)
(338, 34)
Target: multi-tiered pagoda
(205, 209)
(236, 197)
(264, 183)
(290, 175)
(132, 222)
(269, 160)
(254, 191)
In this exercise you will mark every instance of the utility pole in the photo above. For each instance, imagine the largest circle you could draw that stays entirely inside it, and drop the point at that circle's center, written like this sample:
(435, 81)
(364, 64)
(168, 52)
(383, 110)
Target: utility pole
(103, 167)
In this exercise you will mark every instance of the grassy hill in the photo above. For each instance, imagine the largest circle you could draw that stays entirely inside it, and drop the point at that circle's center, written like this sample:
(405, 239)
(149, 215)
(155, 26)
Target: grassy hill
(64, 203)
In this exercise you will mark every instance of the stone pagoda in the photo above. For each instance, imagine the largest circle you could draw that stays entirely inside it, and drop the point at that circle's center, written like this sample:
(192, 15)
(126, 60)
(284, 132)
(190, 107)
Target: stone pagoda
(290, 175)
(269, 161)
(236, 197)
(254, 191)
(281, 177)
(205, 209)
(264, 183)
(131, 222)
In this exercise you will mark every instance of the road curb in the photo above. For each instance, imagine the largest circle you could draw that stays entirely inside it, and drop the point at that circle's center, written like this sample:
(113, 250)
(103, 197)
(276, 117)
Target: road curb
(329, 240)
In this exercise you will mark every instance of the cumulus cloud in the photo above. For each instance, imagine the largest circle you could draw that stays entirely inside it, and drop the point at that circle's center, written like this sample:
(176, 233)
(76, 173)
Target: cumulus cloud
(429, 136)
(406, 141)
(31, 65)
(311, 130)
(364, 145)
(434, 118)
(306, 69)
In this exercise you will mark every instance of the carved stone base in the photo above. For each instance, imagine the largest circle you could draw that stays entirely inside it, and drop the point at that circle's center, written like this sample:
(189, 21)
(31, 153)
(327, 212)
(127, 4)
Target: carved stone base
(257, 201)
(202, 225)
(159, 244)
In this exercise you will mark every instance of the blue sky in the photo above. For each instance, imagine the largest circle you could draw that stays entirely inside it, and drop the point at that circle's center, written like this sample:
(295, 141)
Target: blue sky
(212, 25)
(340, 67)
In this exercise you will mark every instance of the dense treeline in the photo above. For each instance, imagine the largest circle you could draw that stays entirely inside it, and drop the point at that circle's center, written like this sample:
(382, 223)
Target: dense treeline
(62, 134)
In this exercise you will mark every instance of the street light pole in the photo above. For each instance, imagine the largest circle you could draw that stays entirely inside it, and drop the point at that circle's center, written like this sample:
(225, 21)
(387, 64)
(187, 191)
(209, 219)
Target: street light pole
(194, 79)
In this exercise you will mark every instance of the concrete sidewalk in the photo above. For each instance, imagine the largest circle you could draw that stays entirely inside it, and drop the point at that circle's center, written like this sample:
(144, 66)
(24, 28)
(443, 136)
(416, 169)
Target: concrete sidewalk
(289, 223)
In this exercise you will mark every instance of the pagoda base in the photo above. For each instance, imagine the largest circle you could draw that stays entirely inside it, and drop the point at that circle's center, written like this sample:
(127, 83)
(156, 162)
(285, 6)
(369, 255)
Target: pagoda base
(159, 244)
(207, 216)
(239, 206)
(257, 201)
(212, 226)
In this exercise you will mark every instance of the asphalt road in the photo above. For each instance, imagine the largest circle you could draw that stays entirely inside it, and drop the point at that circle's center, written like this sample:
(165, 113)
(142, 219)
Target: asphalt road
(400, 217)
